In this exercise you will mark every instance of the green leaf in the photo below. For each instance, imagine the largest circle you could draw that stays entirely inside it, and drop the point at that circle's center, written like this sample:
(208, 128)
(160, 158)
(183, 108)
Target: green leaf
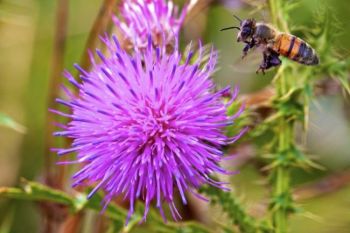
(12, 124)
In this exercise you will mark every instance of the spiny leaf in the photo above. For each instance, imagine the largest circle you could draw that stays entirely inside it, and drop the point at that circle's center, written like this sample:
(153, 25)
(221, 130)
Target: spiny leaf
(234, 210)
(36, 192)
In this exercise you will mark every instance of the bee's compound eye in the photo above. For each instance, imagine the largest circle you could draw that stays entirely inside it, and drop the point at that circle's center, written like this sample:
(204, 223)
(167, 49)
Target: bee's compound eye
(246, 31)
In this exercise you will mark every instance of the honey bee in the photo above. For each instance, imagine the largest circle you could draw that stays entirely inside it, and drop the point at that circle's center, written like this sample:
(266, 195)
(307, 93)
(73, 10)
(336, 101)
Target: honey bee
(273, 43)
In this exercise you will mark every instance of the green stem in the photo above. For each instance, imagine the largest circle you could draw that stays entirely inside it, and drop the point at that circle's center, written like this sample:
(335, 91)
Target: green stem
(32, 191)
(282, 177)
(281, 174)
(277, 15)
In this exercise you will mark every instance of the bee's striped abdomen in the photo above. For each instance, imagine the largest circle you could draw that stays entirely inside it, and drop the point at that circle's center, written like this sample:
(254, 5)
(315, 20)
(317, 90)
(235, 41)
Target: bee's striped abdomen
(295, 49)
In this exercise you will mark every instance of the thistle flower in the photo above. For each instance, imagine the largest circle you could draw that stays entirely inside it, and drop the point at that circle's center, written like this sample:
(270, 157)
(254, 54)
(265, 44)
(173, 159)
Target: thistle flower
(158, 18)
(147, 125)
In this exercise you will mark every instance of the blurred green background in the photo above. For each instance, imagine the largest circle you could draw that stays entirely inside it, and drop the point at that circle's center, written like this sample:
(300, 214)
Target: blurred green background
(26, 42)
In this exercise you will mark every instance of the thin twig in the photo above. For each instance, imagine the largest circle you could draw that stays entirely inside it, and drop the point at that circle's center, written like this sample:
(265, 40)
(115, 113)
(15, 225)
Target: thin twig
(324, 186)
(99, 27)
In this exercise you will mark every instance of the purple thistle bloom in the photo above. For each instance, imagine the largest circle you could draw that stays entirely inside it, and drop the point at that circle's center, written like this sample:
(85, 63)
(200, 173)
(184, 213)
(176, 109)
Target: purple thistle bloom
(147, 125)
(158, 18)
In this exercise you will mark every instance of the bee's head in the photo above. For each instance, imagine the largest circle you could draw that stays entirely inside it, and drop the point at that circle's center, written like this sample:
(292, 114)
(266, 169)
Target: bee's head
(247, 27)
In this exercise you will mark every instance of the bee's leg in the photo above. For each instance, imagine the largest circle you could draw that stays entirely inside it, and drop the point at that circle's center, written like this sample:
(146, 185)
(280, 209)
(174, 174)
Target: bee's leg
(252, 43)
(271, 59)
(262, 69)
(245, 50)
(264, 65)
(249, 45)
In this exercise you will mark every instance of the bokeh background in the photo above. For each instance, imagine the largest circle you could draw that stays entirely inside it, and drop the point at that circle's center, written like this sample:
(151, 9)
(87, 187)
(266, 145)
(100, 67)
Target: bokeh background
(26, 45)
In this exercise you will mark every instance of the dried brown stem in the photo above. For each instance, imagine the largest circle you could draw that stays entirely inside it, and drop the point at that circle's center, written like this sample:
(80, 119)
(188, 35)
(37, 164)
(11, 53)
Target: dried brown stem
(54, 86)
(52, 213)
(99, 27)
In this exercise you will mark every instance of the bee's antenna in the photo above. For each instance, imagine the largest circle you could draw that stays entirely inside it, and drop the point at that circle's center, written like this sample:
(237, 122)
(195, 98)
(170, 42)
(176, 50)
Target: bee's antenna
(230, 28)
(237, 18)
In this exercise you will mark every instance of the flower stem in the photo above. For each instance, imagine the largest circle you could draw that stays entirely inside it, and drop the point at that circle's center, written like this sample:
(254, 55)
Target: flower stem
(281, 174)
(282, 201)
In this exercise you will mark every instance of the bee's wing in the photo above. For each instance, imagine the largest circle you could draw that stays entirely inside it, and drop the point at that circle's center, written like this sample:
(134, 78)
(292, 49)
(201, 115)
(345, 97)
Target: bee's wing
(250, 63)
